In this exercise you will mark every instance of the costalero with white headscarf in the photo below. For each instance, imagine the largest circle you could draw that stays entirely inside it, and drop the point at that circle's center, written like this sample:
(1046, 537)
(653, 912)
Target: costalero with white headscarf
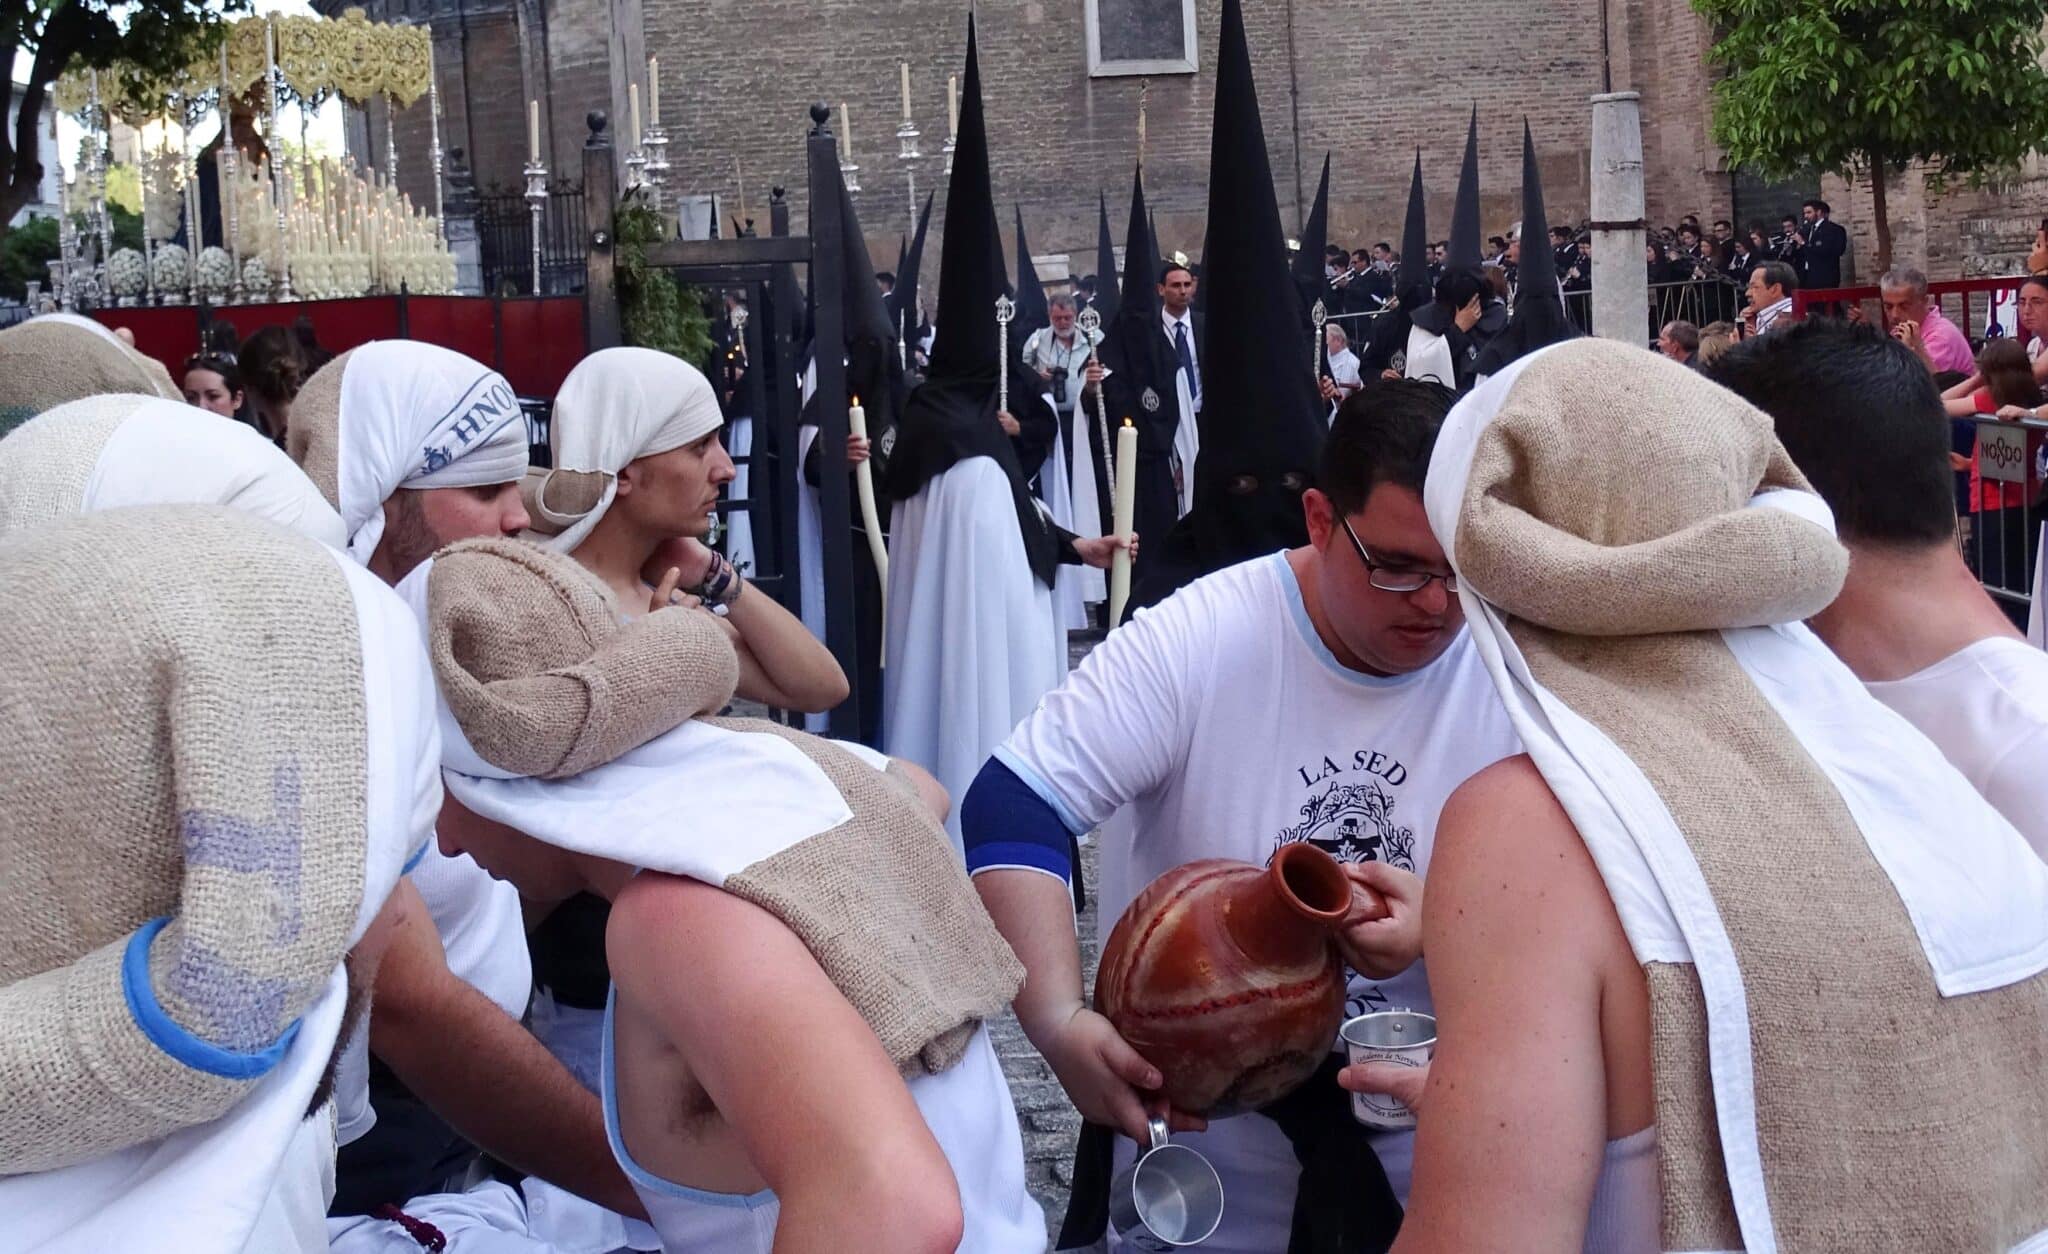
(108, 452)
(210, 783)
(401, 414)
(617, 406)
(1844, 945)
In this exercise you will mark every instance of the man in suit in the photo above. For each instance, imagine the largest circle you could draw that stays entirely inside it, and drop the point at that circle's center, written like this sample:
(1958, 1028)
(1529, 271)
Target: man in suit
(1823, 243)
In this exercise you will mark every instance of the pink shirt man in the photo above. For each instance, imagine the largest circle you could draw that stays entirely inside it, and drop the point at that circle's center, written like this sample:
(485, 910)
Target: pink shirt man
(1946, 344)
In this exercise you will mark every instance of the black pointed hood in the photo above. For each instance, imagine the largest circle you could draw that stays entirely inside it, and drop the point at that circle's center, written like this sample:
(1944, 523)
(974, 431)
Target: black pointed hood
(1106, 301)
(1465, 242)
(1262, 419)
(1415, 241)
(1539, 319)
(873, 370)
(1315, 236)
(951, 417)
(1032, 310)
(971, 256)
(1139, 294)
(903, 301)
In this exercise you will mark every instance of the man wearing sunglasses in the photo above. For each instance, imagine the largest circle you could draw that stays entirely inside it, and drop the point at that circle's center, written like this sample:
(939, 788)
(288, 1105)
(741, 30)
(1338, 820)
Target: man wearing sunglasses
(1329, 694)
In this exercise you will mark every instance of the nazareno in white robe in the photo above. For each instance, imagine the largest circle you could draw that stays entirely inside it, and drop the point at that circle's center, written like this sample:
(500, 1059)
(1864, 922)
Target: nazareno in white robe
(973, 642)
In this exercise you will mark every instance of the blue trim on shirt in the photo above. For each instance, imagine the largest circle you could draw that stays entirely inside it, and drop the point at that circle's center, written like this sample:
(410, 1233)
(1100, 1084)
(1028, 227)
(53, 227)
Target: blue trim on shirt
(170, 1036)
(640, 1177)
(1020, 855)
(419, 855)
(1036, 783)
(1298, 610)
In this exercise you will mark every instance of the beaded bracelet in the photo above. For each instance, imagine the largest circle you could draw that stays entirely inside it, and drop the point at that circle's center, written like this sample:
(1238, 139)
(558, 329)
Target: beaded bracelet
(721, 584)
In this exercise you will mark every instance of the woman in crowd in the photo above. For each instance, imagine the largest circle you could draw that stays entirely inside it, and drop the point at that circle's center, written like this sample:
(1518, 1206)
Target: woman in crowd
(213, 383)
(2001, 532)
(273, 366)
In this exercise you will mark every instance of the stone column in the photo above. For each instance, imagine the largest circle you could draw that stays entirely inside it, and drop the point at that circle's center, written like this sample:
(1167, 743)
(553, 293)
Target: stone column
(1621, 282)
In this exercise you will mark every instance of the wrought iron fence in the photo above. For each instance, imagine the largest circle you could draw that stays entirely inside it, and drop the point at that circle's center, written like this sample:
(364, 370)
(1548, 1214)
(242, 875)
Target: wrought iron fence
(504, 224)
(1698, 301)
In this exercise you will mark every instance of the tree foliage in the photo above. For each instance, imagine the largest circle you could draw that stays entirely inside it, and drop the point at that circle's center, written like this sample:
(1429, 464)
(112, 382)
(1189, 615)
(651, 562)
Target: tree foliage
(654, 310)
(52, 36)
(1866, 87)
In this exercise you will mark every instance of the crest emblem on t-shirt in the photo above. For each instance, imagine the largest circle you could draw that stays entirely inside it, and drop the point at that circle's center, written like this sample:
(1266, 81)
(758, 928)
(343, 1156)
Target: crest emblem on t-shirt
(1354, 823)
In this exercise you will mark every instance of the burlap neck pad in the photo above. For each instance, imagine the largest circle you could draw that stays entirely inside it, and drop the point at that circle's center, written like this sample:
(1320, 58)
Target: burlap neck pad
(540, 677)
(1815, 1088)
(111, 452)
(183, 807)
(47, 361)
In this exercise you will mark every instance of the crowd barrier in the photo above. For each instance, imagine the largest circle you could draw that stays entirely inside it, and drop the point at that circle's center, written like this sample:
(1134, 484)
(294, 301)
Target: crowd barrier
(1999, 500)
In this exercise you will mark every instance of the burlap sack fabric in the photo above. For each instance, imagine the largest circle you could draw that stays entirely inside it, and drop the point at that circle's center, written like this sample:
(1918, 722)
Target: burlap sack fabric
(45, 466)
(185, 750)
(1605, 514)
(313, 436)
(543, 678)
(45, 362)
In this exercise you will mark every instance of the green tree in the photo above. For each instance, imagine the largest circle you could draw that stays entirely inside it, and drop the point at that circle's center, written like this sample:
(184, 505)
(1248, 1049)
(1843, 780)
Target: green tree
(157, 36)
(654, 310)
(1863, 88)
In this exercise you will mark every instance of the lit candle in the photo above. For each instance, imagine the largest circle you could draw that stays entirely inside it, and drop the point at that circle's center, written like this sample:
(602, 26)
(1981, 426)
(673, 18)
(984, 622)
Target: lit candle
(1125, 502)
(905, 67)
(952, 105)
(654, 90)
(533, 132)
(870, 517)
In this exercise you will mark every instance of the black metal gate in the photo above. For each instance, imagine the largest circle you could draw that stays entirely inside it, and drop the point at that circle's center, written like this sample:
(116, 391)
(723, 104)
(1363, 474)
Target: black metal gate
(504, 228)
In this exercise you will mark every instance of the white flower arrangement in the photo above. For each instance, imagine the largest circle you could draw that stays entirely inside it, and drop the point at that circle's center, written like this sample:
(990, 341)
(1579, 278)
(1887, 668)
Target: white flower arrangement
(173, 269)
(126, 274)
(256, 277)
(216, 271)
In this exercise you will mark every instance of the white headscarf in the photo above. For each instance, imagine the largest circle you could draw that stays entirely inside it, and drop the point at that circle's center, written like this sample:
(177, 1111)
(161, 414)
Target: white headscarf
(617, 406)
(416, 415)
(106, 452)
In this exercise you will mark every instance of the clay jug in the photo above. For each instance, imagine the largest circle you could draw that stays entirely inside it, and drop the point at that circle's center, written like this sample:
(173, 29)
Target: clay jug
(1226, 977)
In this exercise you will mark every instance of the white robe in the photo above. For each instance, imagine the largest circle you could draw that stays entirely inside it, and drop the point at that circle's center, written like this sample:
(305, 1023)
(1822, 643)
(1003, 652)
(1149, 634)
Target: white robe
(973, 643)
(1056, 487)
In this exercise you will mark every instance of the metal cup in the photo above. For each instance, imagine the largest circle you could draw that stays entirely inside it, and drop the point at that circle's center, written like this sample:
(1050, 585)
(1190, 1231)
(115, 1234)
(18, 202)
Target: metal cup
(1170, 1198)
(1406, 1038)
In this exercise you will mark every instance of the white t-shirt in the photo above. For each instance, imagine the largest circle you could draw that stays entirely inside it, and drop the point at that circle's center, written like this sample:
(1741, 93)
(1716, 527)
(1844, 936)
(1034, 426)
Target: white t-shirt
(1986, 708)
(1222, 727)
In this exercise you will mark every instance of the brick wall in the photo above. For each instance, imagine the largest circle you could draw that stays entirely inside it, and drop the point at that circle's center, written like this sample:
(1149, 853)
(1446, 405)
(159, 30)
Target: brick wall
(1369, 86)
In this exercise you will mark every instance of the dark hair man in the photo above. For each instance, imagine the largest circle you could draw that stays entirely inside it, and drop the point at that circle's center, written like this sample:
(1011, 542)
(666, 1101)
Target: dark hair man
(1859, 414)
(1822, 244)
(1680, 341)
(1770, 295)
(1355, 705)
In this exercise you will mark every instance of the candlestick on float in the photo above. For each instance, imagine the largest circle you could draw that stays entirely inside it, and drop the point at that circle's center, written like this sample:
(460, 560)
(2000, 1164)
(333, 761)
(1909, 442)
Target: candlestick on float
(870, 517)
(434, 121)
(277, 186)
(536, 202)
(1123, 506)
(231, 171)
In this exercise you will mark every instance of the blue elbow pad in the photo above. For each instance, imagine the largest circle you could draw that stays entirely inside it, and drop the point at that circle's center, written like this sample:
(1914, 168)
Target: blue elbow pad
(1004, 823)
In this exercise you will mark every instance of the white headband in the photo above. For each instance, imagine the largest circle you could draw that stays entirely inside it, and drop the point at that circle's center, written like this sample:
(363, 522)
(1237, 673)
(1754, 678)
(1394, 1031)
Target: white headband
(616, 406)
